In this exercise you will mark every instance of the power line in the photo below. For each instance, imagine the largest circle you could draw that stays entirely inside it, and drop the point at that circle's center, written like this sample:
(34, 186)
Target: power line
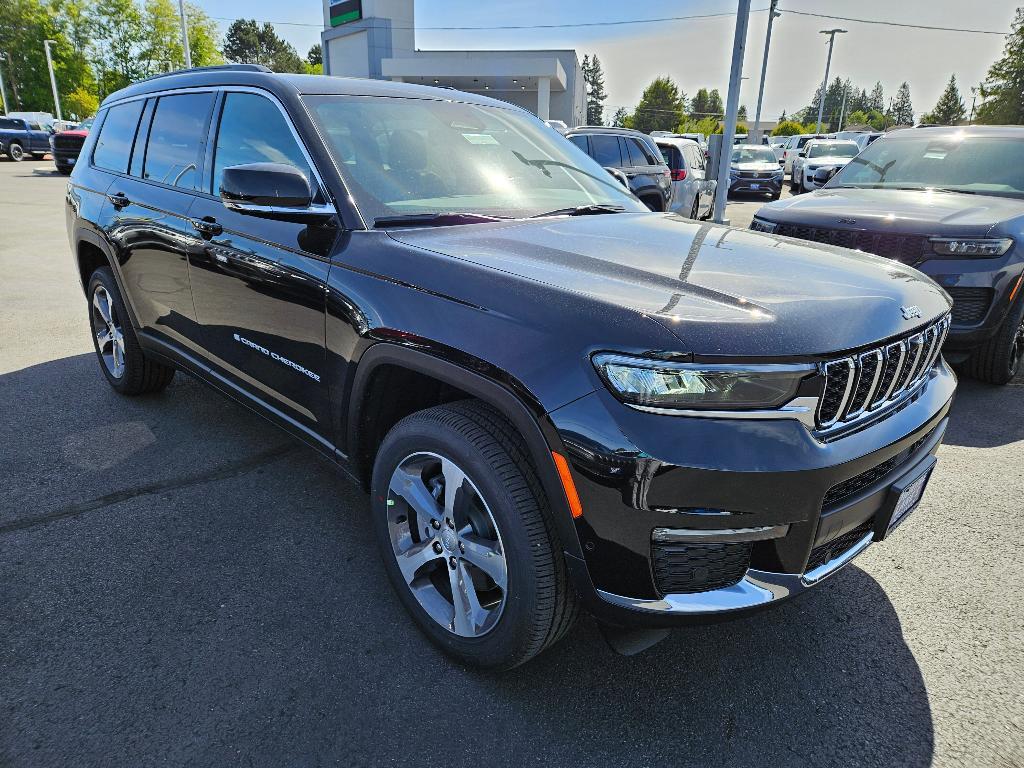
(895, 23)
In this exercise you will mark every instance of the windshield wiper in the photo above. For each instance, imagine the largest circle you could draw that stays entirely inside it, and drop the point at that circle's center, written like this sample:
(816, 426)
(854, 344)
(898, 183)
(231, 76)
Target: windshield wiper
(433, 219)
(583, 210)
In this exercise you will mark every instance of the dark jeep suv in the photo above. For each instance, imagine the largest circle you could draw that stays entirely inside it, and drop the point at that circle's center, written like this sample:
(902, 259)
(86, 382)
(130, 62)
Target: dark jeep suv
(632, 153)
(555, 397)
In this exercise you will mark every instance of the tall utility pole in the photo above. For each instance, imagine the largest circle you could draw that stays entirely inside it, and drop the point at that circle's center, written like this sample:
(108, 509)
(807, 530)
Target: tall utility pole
(828, 63)
(184, 34)
(53, 79)
(739, 43)
(970, 120)
(7, 104)
(772, 15)
(842, 110)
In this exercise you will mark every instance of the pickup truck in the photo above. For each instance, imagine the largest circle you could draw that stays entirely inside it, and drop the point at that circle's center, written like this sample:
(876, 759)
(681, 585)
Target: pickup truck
(20, 137)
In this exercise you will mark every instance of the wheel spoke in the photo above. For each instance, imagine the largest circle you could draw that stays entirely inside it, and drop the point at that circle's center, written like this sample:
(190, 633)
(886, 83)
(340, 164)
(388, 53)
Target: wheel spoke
(411, 560)
(118, 353)
(454, 478)
(411, 488)
(101, 302)
(465, 603)
(486, 555)
(103, 338)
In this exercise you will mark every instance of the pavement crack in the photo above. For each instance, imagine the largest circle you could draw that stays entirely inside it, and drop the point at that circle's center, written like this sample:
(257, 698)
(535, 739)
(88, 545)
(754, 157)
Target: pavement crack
(230, 469)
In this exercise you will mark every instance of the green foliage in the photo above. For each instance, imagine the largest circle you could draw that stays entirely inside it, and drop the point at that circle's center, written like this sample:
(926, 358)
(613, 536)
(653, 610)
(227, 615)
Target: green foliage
(876, 100)
(949, 109)
(741, 113)
(246, 42)
(1003, 89)
(316, 55)
(593, 78)
(80, 103)
(857, 117)
(705, 125)
(902, 109)
(788, 128)
(620, 117)
(660, 107)
(740, 128)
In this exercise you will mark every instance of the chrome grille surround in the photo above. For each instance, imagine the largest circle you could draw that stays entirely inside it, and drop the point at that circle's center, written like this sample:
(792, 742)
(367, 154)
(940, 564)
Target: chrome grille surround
(865, 383)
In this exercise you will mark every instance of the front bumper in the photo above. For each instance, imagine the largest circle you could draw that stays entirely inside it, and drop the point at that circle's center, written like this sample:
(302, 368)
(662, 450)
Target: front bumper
(637, 472)
(772, 185)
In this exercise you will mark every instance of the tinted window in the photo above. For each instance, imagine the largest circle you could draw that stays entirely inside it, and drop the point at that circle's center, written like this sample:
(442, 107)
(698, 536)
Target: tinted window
(114, 146)
(671, 156)
(636, 155)
(832, 149)
(253, 130)
(605, 150)
(35, 127)
(174, 151)
(696, 158)
(7, 124)
(581, 142)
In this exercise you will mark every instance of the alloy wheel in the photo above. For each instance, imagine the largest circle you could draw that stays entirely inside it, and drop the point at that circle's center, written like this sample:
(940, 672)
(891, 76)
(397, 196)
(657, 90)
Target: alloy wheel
(446, 544)
(108, 330)
(16, 153)
(1017, 349)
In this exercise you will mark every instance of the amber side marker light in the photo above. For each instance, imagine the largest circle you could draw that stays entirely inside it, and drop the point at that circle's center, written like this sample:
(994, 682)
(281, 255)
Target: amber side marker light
(568, 485)
(1015, 288)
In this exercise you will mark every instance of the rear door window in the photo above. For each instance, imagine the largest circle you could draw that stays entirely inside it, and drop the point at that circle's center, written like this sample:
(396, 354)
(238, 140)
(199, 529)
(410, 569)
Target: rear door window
(581, 142)
(606, 150)
(177, 137)
(117, 134)
(636, 154)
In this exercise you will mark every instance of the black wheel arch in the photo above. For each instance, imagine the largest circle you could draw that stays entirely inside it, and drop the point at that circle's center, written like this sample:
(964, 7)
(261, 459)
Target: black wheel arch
(528, 423)
(93, 252)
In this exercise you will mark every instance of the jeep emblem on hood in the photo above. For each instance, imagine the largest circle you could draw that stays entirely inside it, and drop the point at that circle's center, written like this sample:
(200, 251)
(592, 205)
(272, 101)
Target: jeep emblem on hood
(909, 313)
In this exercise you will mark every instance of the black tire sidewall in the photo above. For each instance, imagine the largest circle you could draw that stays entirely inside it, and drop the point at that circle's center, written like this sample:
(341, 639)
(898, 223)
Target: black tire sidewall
(16, 152)
(132, 356)
(498, 647)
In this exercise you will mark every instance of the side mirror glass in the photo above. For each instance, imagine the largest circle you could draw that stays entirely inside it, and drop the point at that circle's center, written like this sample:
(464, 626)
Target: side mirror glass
(265, 188)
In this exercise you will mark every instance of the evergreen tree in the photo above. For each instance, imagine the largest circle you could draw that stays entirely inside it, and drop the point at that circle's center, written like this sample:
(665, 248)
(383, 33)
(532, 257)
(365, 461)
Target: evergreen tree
(715, 107)
(1003, 90)
(701, 106)
(246, 42)
(902, 109)
(619, 118)
(315, 55)
(741, 114)
(593, 77)
(876, 101)
(660, 107)
(782, 118)
(949, 110)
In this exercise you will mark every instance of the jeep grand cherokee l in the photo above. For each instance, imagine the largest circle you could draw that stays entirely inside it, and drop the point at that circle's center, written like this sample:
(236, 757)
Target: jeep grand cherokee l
(946, 201)
(555, 397)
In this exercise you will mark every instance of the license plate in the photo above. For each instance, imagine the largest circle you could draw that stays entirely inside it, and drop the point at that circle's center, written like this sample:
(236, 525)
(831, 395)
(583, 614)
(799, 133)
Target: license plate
(908, 501)
(755, 186)
(904, 496)
(71, 161)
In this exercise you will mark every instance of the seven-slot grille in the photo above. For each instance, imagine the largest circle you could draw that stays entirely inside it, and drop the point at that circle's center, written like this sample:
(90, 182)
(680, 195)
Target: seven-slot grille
(867, 381)
(909, 249)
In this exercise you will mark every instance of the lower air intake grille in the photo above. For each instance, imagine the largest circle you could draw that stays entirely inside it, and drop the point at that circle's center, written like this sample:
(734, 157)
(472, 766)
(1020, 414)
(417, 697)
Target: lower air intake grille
(838, 546)
(970, 305)
(690, 568)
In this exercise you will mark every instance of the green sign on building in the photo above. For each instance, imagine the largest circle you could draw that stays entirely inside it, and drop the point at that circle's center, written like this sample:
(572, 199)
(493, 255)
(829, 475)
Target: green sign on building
(346, 11)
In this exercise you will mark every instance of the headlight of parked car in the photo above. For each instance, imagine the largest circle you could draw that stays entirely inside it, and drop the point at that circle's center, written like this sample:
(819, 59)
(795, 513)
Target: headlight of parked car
(760, 225)
(663, 384)
(981, 247)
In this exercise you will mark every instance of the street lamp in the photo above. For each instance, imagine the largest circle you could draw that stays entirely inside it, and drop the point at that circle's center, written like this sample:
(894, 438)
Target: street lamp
(970, 120)
(772, 15)
(184, 35)
(3, 91)
(828, 63)
(53, 79)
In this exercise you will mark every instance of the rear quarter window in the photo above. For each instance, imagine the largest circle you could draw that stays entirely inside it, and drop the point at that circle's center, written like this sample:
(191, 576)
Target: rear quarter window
(117, 134)
(605, 150)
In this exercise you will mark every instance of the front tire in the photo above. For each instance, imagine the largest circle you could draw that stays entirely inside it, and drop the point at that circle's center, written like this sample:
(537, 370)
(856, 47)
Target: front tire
(1001, 358)
(122, 361)
(15, 152)
(466, 536)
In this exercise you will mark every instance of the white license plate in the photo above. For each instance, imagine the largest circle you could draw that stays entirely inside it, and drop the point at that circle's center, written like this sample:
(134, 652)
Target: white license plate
(755, 186)
(71, 161)
(908, 500)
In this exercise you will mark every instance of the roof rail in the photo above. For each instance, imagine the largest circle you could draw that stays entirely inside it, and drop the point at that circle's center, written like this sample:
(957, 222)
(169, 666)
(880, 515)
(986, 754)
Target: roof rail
(212, 68)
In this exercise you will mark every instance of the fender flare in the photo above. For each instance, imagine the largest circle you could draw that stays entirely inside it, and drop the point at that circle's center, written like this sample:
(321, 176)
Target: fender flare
(83, 235)
(500, 397)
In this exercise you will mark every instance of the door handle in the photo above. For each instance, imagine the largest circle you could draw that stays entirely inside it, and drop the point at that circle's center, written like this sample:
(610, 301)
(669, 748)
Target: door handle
(207, 226)
(119, 200)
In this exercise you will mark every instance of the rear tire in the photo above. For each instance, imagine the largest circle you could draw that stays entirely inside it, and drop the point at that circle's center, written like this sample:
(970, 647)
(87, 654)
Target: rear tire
(999, 359)
(122, 361)
(15, 152)
(413, 517)
(695, 210)
(63, 170)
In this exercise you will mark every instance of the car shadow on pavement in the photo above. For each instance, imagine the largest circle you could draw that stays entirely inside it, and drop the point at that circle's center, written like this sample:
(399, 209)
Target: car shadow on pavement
(182, 583)
(987, 416)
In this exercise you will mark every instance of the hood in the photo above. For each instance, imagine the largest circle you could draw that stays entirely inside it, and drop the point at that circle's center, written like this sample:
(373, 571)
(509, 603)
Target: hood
(722, 291)
(767, 165)
(896, 211)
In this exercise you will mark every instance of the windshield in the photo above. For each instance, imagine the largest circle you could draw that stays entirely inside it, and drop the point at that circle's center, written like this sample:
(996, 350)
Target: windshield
(833, 149)
(404, 157)
(984, 164)
(753, 155)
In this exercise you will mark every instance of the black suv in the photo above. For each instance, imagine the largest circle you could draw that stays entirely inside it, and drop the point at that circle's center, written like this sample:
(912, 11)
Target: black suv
(555, 397)
(948, 201)
(632, 153)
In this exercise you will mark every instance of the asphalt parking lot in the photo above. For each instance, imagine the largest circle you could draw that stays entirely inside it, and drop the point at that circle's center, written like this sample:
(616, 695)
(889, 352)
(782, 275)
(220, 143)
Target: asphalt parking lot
(182, 584)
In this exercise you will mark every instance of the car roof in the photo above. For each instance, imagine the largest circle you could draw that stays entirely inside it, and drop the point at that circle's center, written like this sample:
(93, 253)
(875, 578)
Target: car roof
(289, 85)
(610, 130)
(832, 141)
(677, 141)
(1009, 131)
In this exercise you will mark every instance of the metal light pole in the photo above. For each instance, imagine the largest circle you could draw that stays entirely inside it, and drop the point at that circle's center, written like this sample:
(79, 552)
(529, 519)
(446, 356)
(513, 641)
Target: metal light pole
(772, 15)
(970, 120)
(53, 79)
(184, 34)
(842, 110)
(828, 63)
(739, 43)
(3, 91)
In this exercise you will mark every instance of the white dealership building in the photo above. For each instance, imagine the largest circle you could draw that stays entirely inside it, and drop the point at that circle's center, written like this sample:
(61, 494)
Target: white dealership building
(377, 38)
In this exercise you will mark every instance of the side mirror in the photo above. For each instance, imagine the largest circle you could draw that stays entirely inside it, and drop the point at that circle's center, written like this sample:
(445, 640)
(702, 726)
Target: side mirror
(803, 153)
(265, 188)
(619, 176)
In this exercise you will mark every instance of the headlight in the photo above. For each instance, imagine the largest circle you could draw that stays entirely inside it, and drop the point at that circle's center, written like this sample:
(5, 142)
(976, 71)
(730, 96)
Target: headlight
(657, 383)
(982, 247)
(760, 225)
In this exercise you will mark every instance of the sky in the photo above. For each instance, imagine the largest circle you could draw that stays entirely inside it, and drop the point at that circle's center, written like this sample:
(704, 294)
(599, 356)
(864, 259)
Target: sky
(696, 53)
